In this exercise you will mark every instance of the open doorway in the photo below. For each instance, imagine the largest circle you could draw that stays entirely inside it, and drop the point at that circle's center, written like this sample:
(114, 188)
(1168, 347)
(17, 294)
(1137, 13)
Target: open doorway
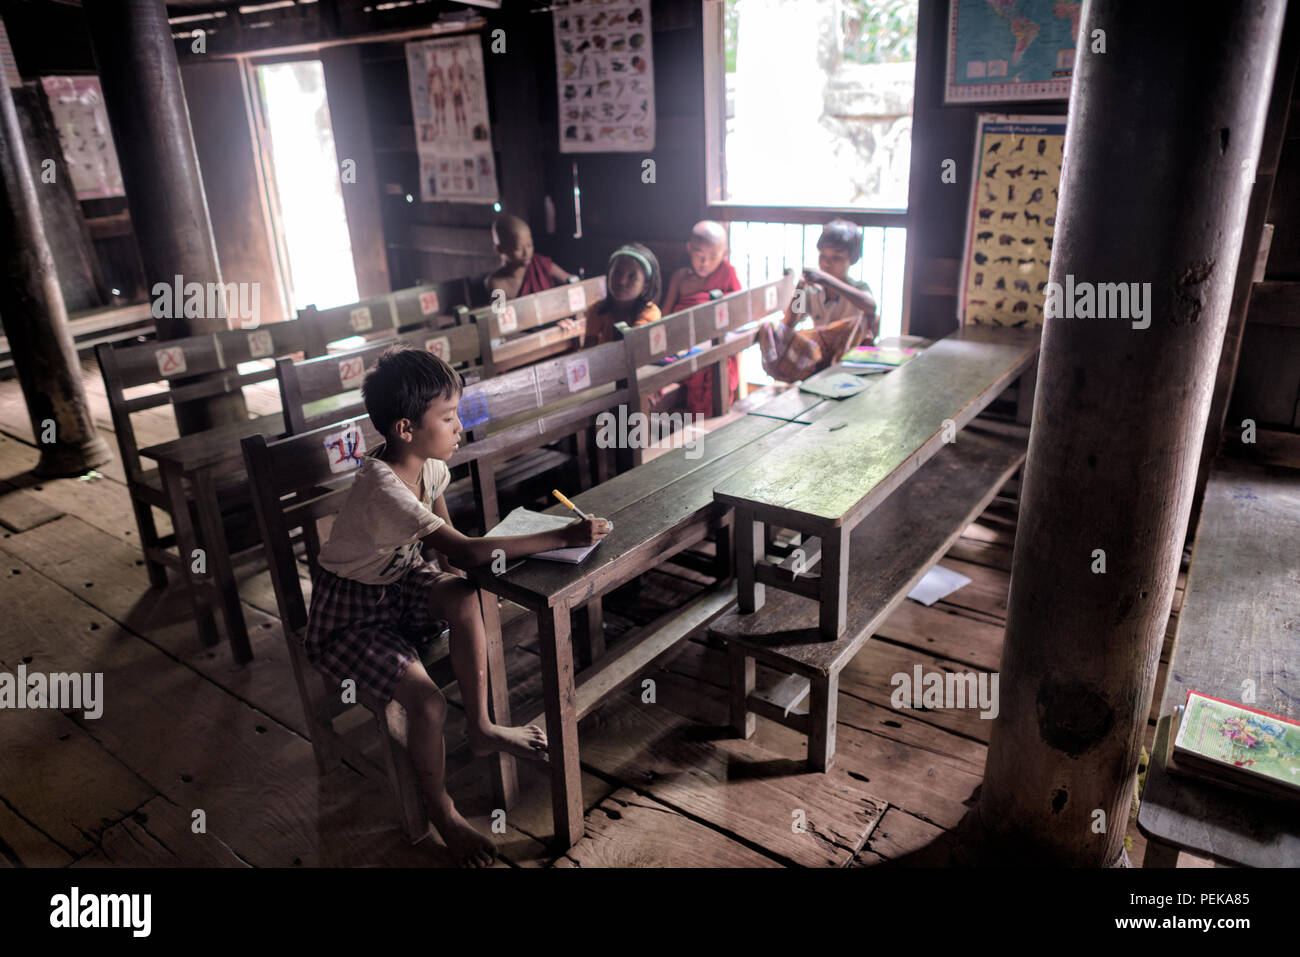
(303, 184)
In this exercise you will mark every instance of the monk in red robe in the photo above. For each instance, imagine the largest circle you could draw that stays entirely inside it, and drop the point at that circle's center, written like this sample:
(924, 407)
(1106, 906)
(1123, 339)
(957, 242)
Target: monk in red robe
(709, 272)
(522, 271)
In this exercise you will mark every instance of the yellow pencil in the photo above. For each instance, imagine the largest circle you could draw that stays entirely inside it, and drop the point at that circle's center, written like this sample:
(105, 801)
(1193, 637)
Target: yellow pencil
(564, 501)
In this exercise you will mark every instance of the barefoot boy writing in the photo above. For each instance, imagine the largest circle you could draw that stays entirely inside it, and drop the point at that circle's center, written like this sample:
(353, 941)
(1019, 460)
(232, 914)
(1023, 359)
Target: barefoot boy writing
(376, 599)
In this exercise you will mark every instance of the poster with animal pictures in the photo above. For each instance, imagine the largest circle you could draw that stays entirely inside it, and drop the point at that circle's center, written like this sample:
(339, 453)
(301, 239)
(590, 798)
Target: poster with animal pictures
(452, 136)
(1012, 218)
(77, 106)
(605, 75)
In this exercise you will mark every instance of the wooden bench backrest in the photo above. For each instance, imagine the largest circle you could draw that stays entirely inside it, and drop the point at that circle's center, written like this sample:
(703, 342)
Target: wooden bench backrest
(517, 320)
(135, 365)
(326, 389)
(296, 481)
(381, 316)
(706, 323)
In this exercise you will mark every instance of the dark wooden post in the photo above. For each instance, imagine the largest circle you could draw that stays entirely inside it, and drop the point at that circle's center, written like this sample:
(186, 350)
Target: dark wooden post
(36, 320)
(151, 128)
(1164, 128)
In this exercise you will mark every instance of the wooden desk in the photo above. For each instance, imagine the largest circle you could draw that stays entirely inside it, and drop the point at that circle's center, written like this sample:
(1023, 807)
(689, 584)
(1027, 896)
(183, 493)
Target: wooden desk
(857, 451)
(207, 468)
(1239, 622)
(658, 509)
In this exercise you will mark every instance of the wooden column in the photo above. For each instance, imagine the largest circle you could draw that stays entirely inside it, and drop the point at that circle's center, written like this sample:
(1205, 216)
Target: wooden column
(35, 319)
(1153, 192)
(169, 213)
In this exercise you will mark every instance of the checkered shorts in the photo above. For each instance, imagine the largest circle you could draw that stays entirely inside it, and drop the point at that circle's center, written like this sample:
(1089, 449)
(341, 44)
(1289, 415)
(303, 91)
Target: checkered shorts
(372, 633)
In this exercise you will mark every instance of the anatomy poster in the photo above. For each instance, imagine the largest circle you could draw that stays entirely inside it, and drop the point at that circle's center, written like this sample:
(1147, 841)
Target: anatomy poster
(77, 106)
(606, 76)
(452, 136)
(1012, 219)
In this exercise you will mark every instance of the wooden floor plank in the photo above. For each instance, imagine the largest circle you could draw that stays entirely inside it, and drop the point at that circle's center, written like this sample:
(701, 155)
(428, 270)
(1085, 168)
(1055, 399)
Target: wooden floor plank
(733, 784)
(24, 845)
(943, 629)
(159, 834)
(628, 830)
(900, 833)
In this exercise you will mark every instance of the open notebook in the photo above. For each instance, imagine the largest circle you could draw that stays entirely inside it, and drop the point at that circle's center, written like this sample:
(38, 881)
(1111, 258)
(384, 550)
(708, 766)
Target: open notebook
(523, 521)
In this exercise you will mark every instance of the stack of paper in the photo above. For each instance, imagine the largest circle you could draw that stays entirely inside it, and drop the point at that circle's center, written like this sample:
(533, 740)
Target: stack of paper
(523, 521)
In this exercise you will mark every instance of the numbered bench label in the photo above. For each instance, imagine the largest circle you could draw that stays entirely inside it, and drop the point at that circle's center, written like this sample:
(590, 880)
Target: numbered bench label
(440, 346)
(171, 361)
(428, 303)
(346, 449)
(359, 319)
(578, 374)
(259, 344)
(769, 298)
(352, 372)
(507, 321)
(721, 316)
(577, 298)
(658, 340)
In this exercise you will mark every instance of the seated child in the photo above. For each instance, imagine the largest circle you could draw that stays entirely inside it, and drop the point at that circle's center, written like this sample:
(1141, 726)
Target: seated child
(522, 271)
(631, 284)
(695, 284)
(375, 599)
(842, 310)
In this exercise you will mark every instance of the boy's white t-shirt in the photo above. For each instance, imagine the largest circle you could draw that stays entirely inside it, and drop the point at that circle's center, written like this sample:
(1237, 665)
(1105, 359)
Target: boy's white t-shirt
(376, 536)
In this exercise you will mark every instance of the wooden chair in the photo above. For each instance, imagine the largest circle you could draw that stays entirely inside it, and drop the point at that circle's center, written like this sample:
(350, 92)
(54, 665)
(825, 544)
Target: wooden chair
(715, 330)
(137, 365)
(523, 331)
(296, 481)
(381, 317)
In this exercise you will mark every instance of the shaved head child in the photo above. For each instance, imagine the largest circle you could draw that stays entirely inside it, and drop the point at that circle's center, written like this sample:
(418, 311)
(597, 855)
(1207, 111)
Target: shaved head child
(522, 271)
(709, 272)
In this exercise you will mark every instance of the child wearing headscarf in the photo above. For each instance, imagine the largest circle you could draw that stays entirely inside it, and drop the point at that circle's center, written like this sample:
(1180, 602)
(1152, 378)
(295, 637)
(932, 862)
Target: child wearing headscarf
(632, 283)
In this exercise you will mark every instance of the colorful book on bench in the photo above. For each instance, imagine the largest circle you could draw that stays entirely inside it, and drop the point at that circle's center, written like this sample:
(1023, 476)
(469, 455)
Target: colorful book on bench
(1237, 746)
(877, 358)
(523, 521)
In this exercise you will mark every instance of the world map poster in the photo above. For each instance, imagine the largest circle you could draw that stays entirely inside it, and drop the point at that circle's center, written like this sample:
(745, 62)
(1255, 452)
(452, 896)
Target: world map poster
(1012, 219)
(1005, 50)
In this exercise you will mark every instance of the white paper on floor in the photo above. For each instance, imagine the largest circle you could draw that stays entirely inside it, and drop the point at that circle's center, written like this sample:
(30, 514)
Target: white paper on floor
(939, 582)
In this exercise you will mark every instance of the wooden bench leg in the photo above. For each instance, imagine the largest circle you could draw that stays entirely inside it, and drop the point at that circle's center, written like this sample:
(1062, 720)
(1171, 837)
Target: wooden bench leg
(822, 708)
(743, 681)
(589, 621)
(582, 450)
(561, 725)
(724, 550)
(186, 543)
(483, 474)
(504, 773)
(750, 594)
(220, 567)
(834, 582)
(1159, 854)
(720, 394)
(602, 458)
(148, 531)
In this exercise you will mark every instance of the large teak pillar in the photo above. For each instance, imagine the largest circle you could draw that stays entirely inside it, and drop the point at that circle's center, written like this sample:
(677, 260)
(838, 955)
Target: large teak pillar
(151, 129)
(1164, 128)
(35, 319)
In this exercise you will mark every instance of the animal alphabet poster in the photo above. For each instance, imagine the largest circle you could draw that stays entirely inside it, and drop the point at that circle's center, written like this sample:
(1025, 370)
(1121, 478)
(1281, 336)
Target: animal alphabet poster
(606, 76)
(452, 136)
(1012, 219)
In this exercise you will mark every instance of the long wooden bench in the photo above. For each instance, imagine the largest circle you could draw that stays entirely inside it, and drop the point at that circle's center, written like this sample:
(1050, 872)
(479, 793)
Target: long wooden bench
(892, 549)
(658, 510)
(382, 316)
(877, 486)
(855, 452)
(524, 330)
(678, 345)
(296, 482)
(1237, 624)
(147, 371)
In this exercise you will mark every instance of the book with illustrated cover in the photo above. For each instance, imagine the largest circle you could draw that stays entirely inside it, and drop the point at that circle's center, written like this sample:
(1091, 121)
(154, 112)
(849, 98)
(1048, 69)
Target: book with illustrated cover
(1237, 746)
(878, 357)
